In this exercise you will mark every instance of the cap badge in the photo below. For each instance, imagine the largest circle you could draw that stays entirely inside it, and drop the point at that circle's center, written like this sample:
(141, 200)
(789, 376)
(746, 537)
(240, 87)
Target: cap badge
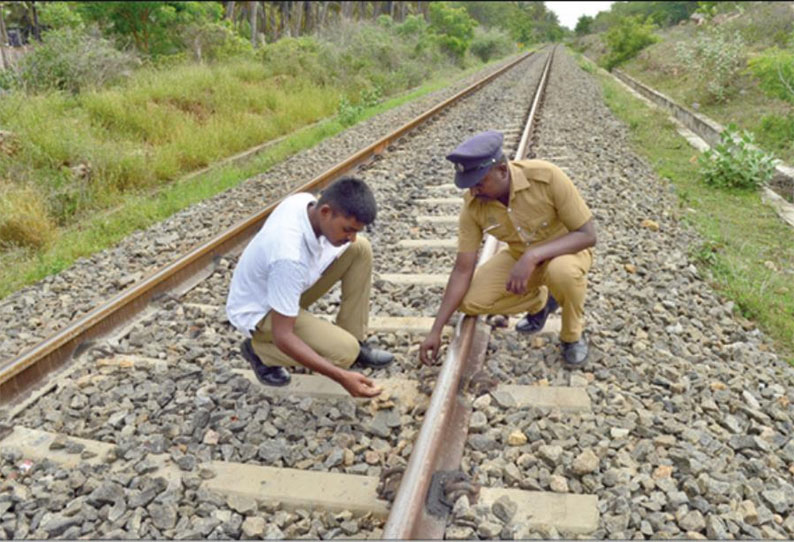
(460, 167)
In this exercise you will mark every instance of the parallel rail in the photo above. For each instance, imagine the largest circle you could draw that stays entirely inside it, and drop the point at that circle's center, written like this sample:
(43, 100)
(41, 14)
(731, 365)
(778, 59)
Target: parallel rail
(439, 445)
(21, 374)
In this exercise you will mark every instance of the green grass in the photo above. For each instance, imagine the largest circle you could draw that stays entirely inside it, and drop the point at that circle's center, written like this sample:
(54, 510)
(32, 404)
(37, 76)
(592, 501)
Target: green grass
(760, 25)
(747, 249)
(139, 209)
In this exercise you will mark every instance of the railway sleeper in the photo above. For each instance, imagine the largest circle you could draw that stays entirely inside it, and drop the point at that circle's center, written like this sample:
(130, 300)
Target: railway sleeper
(292, 488)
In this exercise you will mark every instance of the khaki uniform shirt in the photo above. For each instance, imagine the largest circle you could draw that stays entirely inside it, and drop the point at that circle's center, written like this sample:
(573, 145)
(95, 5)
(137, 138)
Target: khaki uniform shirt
(544, 204)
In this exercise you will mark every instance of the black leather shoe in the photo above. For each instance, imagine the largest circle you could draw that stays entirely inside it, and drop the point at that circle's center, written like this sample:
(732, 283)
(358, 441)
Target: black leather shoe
(270, 376)
(575, 353)
(372, 357)
(532, 323)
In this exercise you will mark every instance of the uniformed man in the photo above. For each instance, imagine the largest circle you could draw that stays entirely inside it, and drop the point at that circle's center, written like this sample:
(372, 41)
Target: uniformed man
(536, 210)
(303, 249)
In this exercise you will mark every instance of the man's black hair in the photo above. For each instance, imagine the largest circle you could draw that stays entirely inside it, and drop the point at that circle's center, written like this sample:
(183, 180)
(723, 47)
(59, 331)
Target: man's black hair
(351, 197)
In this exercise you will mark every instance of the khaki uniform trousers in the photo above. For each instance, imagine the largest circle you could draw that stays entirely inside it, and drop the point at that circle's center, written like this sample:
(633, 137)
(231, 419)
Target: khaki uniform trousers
(339, 342)
(564, 276)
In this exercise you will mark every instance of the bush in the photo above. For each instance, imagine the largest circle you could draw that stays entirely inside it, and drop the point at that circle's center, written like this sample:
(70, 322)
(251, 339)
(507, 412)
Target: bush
(72, 60)
(626, 39)
(349, 113)
(776, 132)
(715, 59)
(56, 15)
(358, 55)
(215, 41)
(490, 44)
(774, 69)
(23, 218)
(453, 28)
(734, 163)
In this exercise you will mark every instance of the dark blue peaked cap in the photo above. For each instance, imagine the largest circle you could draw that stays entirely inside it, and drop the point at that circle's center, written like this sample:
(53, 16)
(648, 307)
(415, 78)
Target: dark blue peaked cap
(475, 156)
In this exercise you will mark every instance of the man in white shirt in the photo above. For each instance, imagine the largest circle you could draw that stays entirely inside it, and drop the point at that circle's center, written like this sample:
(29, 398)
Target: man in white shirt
(303, 249)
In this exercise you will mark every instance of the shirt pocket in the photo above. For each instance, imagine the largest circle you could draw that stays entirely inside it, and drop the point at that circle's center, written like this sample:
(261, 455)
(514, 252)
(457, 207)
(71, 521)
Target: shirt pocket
(538, 227)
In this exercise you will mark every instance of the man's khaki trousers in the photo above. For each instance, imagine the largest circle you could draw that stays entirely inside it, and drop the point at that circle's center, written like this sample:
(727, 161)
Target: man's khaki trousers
(564, 276)
(339, 342)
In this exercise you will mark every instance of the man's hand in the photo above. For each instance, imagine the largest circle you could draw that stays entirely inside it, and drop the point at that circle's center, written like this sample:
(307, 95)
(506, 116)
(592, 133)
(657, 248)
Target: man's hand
(429, 349)
(519, 275)
(359, 385)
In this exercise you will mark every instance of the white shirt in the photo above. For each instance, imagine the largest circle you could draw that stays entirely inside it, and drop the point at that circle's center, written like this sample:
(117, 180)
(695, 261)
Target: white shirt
(281, 262)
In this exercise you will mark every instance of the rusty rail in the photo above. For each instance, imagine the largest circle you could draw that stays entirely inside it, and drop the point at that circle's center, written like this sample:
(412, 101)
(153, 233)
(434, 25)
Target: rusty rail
(21, 373)
(439, 445)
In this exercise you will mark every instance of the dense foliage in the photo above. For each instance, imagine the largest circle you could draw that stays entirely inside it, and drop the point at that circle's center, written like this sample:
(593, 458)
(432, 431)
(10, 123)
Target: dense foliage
(661, 14)
(626, 39)
(774, 69)
(153, 27)
(583, 25)
(452, 26)
(71, 60)
(526, 22)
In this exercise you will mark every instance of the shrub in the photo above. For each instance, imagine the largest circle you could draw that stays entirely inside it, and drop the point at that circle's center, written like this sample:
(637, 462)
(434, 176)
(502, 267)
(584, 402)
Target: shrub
(413, 25)
(490, 44)
(715, 59)
(215, 41)
(349, 113)
(9, 79)
(626, 39)
(776, 132)
(23, 218)
(774, 69)
(55, 15)
(72, 60)
(735, 163)
(453, 27)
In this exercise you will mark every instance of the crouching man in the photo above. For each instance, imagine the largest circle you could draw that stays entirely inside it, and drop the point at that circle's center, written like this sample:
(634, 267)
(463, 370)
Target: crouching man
(536, 210)
(303, 249)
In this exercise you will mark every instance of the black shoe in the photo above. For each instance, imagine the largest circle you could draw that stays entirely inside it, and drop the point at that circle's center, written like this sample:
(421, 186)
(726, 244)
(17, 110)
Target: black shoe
(575, 353)
(372, 357)
(532, 323)
(270, 376)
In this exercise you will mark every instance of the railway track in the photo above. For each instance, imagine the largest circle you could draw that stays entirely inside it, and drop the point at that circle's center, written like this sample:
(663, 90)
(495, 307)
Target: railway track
(683, 426)
(128, 407)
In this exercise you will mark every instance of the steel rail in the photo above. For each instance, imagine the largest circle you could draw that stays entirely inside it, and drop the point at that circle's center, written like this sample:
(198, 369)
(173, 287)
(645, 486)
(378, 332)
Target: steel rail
(439, 445)
(21, 373)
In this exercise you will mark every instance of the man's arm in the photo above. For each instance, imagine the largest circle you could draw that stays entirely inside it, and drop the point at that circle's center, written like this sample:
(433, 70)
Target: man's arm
(285, 339)
(570, 243)
(457, 286)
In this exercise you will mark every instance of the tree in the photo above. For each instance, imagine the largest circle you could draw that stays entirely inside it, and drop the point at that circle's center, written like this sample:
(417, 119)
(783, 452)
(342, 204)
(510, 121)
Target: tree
(3, 33)
(252, 8)
(660, 13)
(583, 25)
(453, 27)
(150, 25)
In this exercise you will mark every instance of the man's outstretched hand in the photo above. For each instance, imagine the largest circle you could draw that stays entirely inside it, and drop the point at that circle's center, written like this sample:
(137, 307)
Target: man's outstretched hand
(429, 349)
(359, 385)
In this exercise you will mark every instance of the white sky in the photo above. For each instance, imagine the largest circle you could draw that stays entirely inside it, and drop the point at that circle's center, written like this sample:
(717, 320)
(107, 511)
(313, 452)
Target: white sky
(569, 12)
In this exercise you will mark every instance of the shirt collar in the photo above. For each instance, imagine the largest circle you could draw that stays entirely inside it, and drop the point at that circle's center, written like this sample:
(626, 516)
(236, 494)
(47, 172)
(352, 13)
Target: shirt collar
(518, 180)
(313, 243)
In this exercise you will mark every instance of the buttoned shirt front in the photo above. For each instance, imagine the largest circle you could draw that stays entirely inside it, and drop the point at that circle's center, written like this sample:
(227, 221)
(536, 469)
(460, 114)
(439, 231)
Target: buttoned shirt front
(281, 262)
(543, 204)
